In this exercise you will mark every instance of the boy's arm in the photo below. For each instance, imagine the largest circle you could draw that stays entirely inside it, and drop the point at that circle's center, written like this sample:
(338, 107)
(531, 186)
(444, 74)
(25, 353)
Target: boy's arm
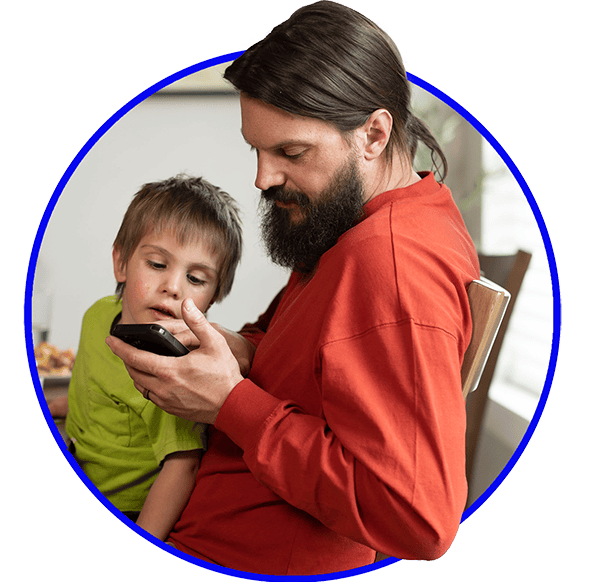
(59, 407)
(169, 493)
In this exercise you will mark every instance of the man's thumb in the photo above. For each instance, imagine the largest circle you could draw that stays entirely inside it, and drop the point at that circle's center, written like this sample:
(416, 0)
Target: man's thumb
(194, 318)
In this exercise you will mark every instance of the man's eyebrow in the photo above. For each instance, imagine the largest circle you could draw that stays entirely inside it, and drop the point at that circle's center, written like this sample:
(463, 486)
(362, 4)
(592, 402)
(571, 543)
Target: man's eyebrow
(282, 144)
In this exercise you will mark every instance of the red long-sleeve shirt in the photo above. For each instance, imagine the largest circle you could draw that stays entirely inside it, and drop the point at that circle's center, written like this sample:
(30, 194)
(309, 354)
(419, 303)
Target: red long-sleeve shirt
(348, 434)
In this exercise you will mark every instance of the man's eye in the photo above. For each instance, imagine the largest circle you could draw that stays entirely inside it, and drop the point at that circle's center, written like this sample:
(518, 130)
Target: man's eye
(292, 155)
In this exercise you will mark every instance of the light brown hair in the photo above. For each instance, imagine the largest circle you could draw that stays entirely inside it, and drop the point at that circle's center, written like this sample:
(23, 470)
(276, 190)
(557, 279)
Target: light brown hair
(194, 209)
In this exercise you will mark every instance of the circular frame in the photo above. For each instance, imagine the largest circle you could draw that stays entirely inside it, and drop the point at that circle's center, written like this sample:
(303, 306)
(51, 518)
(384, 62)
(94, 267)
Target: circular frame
(40, 394)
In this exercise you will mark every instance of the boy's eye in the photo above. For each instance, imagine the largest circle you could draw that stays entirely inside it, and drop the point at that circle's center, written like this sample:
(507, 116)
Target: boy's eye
(156, 265)
(195, 280)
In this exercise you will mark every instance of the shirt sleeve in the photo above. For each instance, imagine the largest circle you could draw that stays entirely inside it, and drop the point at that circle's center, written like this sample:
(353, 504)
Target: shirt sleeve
(392, 444)
(169, 434)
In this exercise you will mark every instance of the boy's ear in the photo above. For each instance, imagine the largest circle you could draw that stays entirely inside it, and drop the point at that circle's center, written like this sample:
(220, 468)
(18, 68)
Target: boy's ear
(118, 266)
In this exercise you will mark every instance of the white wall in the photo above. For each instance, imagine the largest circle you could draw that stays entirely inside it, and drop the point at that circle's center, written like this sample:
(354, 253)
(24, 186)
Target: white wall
(160, 137)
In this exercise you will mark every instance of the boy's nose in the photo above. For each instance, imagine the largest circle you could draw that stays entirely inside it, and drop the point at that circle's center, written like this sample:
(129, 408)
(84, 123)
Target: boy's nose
(171, 286)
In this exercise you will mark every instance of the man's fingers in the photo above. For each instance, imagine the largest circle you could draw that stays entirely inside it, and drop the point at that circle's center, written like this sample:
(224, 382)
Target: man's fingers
(196, 321)
(132, 357)
(140, 364)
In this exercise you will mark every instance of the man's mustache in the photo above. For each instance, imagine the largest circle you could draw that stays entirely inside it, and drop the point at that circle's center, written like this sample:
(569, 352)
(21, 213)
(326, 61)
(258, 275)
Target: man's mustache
(285, 195)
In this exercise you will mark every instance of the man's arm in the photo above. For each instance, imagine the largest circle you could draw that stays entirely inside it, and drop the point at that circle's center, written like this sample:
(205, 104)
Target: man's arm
(169, 493)
(386, 467)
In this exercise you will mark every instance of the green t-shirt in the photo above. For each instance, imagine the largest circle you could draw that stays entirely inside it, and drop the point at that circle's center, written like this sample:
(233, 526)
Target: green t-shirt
(119, 436)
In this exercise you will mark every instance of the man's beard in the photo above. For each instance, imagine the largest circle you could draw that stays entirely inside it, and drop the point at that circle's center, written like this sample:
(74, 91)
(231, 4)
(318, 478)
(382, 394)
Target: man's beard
(300, 245)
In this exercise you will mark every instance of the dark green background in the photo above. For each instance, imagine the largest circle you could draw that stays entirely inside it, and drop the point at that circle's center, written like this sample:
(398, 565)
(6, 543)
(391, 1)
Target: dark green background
(70, 65)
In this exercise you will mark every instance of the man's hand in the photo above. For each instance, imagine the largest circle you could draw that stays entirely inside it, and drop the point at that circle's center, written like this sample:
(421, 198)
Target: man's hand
(242, 349)
(193, 386)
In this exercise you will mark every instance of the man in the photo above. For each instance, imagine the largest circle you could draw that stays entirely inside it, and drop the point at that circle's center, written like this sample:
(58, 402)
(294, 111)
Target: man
(347, 434)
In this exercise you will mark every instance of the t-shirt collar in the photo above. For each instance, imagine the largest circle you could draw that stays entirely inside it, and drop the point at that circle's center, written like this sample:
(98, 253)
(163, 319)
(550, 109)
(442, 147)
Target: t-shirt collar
(426, 185)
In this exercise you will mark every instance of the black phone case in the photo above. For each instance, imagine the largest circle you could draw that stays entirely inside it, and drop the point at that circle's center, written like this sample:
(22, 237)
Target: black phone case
(150, 337)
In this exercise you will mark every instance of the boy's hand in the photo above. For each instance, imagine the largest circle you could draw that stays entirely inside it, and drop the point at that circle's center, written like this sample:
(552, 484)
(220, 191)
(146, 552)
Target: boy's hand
(193, 386)
(242, 349)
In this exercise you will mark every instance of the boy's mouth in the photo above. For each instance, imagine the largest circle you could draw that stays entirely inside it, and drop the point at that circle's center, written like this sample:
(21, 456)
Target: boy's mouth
(163, 311)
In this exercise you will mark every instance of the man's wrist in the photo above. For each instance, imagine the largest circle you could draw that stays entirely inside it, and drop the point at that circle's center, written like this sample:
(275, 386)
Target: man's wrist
(244, 413)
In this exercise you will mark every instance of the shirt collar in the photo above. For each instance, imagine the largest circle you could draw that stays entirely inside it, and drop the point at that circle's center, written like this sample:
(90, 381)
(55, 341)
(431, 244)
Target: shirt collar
(426, 185)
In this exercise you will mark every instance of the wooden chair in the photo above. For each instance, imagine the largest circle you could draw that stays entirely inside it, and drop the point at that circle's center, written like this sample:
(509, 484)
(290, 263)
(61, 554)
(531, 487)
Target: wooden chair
(488, 303)
(509, 272)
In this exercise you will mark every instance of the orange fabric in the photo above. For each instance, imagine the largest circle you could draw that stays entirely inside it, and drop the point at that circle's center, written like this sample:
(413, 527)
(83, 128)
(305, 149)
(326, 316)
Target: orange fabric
(348, 433)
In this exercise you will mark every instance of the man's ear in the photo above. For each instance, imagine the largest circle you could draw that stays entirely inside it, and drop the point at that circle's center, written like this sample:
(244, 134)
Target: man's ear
(376, 132)
(118, 266)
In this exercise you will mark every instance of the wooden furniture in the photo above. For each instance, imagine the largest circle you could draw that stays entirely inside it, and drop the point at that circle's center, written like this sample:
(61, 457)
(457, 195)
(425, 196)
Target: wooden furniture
(488, 303)
(509, 272)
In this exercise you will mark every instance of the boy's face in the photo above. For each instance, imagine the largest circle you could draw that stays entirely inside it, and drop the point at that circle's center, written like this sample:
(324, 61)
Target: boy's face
(161, 273)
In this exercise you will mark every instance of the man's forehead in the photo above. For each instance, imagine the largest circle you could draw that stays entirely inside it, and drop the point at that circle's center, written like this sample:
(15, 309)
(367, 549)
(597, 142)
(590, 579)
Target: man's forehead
(265, 126)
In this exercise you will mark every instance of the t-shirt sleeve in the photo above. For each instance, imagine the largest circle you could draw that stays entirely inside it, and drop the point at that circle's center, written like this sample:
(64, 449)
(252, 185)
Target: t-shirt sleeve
(169, 434)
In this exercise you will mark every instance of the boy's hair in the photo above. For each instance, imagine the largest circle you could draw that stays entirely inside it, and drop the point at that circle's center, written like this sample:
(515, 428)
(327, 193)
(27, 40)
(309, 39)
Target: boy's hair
(194, 209)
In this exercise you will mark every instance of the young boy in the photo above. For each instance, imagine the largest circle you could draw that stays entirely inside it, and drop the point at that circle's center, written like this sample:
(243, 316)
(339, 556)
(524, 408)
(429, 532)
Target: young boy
(179, 238)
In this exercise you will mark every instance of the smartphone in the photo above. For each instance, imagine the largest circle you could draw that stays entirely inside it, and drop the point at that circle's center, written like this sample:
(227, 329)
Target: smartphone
(150, 337)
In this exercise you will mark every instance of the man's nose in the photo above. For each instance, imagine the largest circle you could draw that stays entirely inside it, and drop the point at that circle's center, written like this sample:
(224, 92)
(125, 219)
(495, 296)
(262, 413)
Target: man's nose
(268, 174)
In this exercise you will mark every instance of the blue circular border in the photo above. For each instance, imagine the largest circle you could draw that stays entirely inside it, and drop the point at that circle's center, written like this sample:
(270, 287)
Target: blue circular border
(40, 394)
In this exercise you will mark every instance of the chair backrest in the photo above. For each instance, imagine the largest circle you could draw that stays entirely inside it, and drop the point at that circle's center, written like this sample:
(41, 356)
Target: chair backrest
(488, 303)
(509, 272)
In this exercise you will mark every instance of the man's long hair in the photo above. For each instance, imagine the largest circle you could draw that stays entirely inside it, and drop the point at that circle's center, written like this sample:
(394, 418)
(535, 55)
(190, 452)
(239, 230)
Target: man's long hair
(330, 62)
